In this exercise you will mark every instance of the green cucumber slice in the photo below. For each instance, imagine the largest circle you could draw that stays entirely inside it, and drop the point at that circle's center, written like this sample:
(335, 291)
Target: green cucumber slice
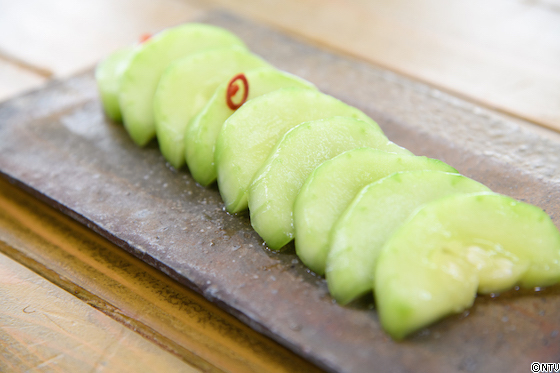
(433, 265)
(303, 148)
(203, 130)
(139, 81)
(185, 88)
(373, 216)
(333, 185)
(108, 75)
(250, 134)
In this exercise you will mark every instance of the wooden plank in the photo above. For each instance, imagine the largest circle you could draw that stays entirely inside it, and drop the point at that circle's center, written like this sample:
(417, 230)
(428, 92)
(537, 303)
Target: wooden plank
(64, 151)
(504, 54)
(65, 36)
(16, 79)
(132, 292)
(45, 329)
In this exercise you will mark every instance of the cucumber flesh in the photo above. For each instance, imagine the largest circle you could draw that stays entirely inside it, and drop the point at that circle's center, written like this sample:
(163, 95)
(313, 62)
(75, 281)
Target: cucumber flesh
(184, 89)
(333, 185)
(435, 262)
(303, 148)
(139, 81)
(250, 134)
(108, 77)
(377, 211)
(203, 130)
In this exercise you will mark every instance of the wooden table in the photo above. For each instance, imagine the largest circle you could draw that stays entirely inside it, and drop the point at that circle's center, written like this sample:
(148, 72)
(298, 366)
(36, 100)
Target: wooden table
(72, 301)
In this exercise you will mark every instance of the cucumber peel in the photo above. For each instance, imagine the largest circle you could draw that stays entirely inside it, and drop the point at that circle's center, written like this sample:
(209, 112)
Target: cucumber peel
(139, 81)
(108, 75)
(202, 132)
(250, 134)
(186, 86)
(333, 185)
(455, 246)
(303, 148)
(373, 216)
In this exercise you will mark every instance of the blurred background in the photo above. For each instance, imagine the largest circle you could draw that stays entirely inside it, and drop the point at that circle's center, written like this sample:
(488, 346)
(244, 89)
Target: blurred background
(503, 54)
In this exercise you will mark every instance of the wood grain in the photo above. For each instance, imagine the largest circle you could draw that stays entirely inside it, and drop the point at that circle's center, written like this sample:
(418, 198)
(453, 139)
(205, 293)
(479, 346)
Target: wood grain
(45, 329)
(17, 79)
(132, 292)
(504, 54)
(66, 37)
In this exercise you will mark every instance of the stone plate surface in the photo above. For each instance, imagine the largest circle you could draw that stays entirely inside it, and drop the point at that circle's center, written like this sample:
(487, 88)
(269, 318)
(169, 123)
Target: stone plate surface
(56, 144)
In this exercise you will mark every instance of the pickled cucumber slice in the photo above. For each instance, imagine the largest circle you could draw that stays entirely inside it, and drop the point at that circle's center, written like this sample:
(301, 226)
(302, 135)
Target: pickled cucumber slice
(185, 88)
(333, 185)
(203, 130)
(108, 77)
(250, 134)
(139, 81)
(434, 264)
(373, 216)
(303, 148)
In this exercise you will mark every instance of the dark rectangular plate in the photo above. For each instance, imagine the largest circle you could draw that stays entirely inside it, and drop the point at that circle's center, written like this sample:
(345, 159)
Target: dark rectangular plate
(57, 144)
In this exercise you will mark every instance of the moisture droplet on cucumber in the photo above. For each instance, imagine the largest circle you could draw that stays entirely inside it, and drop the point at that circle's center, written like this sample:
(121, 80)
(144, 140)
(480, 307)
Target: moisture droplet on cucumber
(333, 185)
(185, 88)
(108, 76)
(372, 217)
(434, 264)
(139, 81)
(202, 132)
(303, 148)
(250, 134)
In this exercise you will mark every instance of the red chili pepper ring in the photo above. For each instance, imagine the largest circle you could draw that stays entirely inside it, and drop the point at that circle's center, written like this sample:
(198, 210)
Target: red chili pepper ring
(233, 88)
(144, 38)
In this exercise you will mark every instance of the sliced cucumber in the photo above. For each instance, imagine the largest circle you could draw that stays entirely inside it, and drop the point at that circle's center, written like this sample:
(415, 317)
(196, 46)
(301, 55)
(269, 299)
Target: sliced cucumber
(372, 217)
(185, 88)
(203, 130)
(250, 134)
(108, 77)
(303, 148)
(333, 185)
(139, 81)
(433, 265)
